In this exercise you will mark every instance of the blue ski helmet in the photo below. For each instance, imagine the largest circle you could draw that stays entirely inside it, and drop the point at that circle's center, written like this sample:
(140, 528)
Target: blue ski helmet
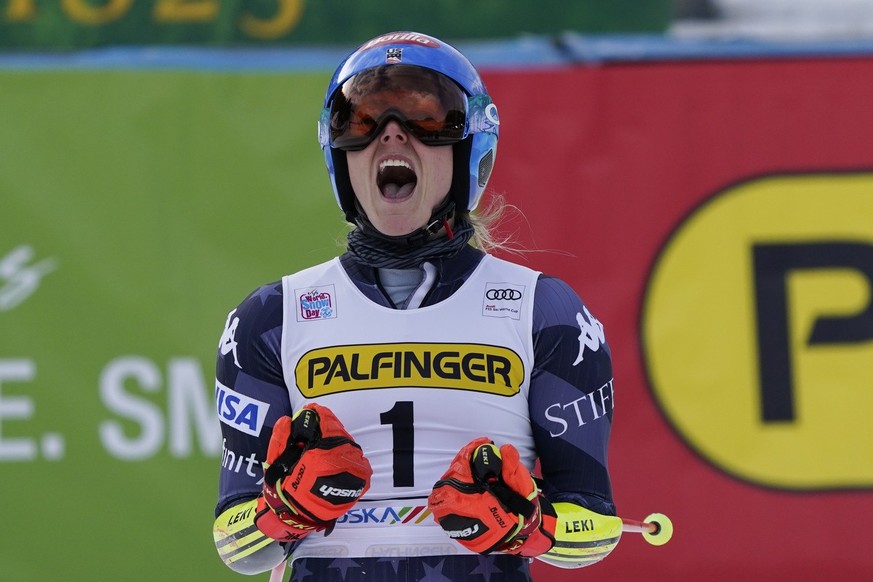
(474, 153)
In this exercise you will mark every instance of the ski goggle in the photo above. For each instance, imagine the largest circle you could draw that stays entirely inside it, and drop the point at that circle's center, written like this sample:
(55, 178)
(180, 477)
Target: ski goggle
(427, 104)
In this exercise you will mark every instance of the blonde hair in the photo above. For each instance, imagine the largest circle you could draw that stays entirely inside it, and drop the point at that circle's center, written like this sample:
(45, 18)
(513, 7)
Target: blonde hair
(485, 221)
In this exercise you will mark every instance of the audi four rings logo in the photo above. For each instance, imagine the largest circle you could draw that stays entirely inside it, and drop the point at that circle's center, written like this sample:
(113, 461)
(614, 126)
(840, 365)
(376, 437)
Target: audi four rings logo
(505, 294)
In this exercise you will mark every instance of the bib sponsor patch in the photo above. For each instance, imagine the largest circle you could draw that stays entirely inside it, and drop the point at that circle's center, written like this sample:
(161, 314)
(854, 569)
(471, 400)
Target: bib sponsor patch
(503, 300)
(316, 303)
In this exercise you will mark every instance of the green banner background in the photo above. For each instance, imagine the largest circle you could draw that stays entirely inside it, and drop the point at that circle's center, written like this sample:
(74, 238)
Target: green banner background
(38, 24)
(136, 209)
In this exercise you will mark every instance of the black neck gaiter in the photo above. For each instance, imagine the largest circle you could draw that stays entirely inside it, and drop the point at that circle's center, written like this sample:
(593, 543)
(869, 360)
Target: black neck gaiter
(381, 253)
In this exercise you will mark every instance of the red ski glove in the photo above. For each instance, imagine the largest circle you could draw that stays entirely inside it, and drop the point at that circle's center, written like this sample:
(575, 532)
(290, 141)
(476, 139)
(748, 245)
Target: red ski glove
(488, 502)
(314, 473)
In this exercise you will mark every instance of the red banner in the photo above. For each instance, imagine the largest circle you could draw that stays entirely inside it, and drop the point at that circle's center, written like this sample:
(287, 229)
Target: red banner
(716, 217)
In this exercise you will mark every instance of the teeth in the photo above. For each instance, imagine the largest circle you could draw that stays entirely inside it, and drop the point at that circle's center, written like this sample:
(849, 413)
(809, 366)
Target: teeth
(393, 164)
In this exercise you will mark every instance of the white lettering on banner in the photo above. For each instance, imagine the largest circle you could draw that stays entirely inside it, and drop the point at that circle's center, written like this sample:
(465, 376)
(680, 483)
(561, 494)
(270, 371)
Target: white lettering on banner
(22, 408)
(186, 398)
(138, 410)
(592, 333)
(227, 343)
(598, 403)
(239, 411)
(18, 281)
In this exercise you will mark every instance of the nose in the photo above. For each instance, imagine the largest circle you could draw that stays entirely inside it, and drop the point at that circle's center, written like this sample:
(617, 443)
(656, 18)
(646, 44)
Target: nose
(393, 131)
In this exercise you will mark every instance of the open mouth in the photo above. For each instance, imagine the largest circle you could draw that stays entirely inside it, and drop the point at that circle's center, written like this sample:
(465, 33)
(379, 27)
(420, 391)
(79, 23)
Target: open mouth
(396, 179)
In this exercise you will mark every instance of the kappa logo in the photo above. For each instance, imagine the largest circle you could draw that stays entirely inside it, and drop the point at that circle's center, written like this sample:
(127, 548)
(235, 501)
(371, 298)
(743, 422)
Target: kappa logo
(316, 303)
(227, 343)
(239, 411)
(592, 336)
(503, 300)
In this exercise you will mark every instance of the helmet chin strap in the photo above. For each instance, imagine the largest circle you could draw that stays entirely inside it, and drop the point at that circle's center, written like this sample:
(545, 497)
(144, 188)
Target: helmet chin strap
(438, 221)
